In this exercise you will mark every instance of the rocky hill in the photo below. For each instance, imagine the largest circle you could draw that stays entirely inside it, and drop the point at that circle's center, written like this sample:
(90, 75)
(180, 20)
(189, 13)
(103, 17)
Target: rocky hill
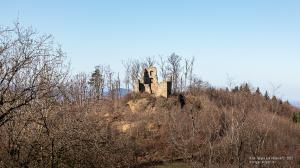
(211, 127)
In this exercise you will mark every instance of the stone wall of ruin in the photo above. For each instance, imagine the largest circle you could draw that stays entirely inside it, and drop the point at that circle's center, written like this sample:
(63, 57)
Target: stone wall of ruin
(149, 84)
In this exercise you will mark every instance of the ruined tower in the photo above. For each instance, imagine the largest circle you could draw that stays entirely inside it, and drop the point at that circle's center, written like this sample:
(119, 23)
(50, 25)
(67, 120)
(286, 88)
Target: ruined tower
(149, 84)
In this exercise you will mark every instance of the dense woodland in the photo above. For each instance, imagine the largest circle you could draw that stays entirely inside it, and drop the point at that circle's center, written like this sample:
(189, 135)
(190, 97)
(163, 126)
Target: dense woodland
(49, 118)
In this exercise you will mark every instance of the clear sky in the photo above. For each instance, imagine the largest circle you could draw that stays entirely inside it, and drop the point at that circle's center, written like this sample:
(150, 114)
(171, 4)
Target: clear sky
(256, 41)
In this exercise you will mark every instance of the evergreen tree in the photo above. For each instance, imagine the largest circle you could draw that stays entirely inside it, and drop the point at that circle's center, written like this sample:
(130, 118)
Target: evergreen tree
(257, 92)
(245, 88)
(227, 90)
(97, 82)
(235, 89)
(267, 96)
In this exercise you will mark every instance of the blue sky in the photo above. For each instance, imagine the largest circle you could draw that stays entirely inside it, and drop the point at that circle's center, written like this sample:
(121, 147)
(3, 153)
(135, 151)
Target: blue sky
(256, 41)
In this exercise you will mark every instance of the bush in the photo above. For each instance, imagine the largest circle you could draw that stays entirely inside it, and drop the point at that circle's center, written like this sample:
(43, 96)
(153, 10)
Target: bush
(296, 117)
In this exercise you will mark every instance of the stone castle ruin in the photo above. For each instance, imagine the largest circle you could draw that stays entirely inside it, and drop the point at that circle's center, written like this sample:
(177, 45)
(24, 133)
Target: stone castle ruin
(149, 84)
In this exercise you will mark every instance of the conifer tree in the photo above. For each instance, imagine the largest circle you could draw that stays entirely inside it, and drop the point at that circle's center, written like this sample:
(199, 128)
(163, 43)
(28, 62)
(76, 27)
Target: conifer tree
(257, 92)
(245, 88)
(267, 96)
(235, 89)
(226, 89)
(97, 82)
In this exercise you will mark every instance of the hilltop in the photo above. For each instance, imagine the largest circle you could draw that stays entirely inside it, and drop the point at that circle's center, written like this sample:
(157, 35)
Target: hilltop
(214, 127)
(51, 119)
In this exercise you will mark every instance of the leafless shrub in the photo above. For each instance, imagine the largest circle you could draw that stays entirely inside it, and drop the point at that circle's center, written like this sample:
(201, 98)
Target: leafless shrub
(49, 120)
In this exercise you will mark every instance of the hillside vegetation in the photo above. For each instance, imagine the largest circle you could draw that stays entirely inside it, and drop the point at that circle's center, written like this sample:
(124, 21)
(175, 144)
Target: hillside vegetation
(215, 128)
(51, 119)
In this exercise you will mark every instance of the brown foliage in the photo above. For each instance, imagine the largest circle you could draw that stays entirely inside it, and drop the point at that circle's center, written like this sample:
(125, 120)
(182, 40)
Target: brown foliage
(46, 121)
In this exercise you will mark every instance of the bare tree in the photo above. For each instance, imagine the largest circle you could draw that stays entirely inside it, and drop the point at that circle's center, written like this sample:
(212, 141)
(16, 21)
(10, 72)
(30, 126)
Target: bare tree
(150, 61)
(136, 68)
(191, 68)
(162, 67)
(110, 81)
(188, 71)
(174, 68)
(230, 81)
(31, 68)
(126, 65)
(118, 86)
(78, 88)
